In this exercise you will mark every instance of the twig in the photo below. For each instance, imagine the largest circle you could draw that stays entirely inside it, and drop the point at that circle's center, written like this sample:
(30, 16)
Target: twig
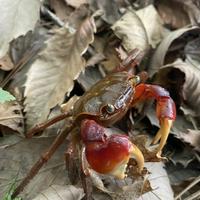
(197, 180)
(194, 196)
(52, 16)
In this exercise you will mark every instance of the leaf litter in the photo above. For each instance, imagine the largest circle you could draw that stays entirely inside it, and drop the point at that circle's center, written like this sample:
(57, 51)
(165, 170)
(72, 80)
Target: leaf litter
(60, 55)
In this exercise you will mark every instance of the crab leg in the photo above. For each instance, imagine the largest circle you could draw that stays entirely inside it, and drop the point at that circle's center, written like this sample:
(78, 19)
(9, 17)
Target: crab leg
(165, 110)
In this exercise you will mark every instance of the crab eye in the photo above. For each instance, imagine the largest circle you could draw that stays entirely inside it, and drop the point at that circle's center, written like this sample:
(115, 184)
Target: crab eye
(135, 80)
(110, 108)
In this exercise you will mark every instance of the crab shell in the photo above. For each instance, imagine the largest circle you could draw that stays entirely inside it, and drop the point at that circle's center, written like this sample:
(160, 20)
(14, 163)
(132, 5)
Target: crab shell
(116, 90)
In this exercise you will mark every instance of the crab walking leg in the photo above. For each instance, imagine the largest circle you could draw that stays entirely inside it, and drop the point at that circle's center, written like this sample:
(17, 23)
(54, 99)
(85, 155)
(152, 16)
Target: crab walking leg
(165, 110)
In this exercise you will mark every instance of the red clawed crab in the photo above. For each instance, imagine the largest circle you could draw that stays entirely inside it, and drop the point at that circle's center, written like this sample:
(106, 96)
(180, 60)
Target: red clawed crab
(103, 105)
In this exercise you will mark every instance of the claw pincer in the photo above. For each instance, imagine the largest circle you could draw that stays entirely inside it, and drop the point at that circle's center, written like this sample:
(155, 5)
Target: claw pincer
(165, 110)
(108, 154)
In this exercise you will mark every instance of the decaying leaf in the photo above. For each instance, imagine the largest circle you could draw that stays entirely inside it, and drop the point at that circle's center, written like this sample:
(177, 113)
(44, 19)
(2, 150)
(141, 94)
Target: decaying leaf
(130, 29)
(11, 116)
(51, 75)
(110, 9)
(158, 178)
(6, 63)
(19, 156)
(173, 38)
(75, 3)
(61, 9)
(17, 18)
(193, 138)
(172, 19)
(190, 83)
(153, 24)
(58, 192)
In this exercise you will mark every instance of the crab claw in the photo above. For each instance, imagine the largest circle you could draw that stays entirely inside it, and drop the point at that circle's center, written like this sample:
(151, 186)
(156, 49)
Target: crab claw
(162, 135)
(111, 154)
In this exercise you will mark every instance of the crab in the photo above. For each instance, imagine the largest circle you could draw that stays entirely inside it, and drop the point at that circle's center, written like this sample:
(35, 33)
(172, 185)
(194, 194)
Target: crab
(104, 104)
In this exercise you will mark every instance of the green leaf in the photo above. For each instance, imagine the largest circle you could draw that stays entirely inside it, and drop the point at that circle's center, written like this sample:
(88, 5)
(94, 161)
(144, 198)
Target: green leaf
(5, 96)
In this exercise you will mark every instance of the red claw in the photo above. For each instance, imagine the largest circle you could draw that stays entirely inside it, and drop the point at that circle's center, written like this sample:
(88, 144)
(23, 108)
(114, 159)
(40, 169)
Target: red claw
(108, 154)
(165, 110)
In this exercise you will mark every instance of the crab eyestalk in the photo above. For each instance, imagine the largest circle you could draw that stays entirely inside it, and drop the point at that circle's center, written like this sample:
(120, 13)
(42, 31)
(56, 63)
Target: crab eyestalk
(108, 154)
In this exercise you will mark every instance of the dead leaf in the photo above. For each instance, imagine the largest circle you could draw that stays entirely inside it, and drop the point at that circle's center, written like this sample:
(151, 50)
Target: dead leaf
(89, 77)
(58, 192)
(51, 75)
(174, 38)
(123, 29)
(158, 177)
(179, 173)
(17, 18)
(6, 63)
(19, 156)
(61, 9)
(110, 9)
(192, 137)
(191, 83)
(173, 20)
(153, 24)
(75, 3)
(11, 116)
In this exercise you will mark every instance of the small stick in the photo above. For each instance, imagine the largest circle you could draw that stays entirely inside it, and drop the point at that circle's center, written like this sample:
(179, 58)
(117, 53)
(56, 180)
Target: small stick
(43, 159)
(42, 126)
(197, 180)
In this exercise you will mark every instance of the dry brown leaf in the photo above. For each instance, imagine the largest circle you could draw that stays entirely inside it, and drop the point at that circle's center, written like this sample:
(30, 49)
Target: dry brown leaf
(11, 116)
(161, 187)
(17, 18)
(51, 75)
(123, 29)
(191, 84)
(61, 9)
(6, 63)
(58, 192)
(75, 3)
(109, 8)
(192, 137)
(153, 24)
(159, 57)
(172, 19)
(19, 156)
(89, 77)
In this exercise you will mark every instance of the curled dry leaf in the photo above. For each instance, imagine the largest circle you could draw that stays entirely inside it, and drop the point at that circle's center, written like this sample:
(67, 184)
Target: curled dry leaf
(191, 83)
(51, 76)
(6, 63)
(110, 9)
(172, 19)
(60, 8)
(166, 46)
(11, 116)
(58, 192)
(124, 27)
(17, 18)
(153, 24)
